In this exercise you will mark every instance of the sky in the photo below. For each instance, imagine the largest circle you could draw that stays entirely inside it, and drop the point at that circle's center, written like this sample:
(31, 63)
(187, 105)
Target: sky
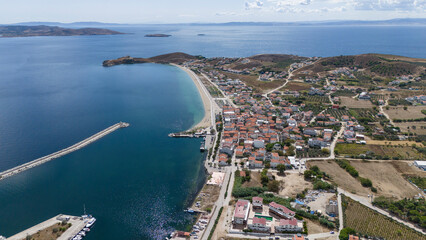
(197, 11)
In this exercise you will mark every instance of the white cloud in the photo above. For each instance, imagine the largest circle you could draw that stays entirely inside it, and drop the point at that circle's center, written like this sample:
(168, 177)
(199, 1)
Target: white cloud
(254, 5)
(390, 5)
(226, 14)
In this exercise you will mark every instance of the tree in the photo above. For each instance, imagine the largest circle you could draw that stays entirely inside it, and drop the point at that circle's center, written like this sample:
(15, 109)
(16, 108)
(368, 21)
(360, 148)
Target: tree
(281, 168)
(274, 186)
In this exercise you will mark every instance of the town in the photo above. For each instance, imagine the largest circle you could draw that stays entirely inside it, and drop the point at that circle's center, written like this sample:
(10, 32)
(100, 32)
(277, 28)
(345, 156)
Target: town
(293, 140)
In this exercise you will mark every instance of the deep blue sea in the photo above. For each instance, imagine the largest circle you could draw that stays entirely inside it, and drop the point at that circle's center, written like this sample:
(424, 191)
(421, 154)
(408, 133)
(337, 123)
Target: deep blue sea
(136, 181)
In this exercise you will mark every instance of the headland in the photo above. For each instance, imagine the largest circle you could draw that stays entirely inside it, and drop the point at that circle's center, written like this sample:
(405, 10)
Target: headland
(33, 31)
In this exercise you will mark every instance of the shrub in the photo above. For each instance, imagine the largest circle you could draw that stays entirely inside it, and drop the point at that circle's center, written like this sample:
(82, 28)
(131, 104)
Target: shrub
(365, 182)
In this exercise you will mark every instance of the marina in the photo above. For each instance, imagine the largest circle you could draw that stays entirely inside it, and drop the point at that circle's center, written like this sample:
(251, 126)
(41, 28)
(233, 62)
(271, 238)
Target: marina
(63, 152)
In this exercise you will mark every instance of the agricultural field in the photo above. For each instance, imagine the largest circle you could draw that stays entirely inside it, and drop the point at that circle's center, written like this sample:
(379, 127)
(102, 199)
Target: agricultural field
(343, 93)
(382, 151)
(355, 103)
(340, 177)
(368, 222)
(296, 86)
(364, 113)
(292, 184)
(418, 128)
(412, 112)
(387, 179)
(394, 143)
(253, 81)
(317, 99)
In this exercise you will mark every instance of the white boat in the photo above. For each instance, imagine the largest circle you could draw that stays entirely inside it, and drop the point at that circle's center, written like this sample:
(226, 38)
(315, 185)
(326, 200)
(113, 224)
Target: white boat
(91, 222)
(86, 229)
(82, 233)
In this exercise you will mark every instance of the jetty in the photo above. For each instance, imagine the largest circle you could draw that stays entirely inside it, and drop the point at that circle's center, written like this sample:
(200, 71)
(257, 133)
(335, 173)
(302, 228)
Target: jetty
(63, 152)
(76, 227)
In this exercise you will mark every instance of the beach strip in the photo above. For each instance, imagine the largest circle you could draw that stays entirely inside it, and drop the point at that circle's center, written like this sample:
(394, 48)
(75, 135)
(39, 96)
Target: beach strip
(207, 120)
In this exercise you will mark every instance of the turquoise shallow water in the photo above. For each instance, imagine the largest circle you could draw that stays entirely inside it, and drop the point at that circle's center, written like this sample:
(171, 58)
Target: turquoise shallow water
(54, 92)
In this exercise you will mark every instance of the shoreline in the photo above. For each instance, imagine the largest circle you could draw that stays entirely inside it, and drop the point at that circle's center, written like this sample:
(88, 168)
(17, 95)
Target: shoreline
(207, 119)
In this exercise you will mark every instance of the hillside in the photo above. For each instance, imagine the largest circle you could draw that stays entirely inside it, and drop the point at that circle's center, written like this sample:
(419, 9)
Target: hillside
(177, 58)
(372, 64)
(31, 31)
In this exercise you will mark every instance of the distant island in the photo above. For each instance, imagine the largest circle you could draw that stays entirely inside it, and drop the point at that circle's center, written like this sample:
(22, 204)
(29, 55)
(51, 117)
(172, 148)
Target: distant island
(158, 35)
(32, 31)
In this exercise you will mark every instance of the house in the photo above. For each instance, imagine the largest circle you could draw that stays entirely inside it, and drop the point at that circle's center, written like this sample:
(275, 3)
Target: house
(280, 210)
(364, 95)
(241, 212)
(288, 225)
(257, 202)
(352, 237)
(258, 143)
(259, 224)
(223, 160)
(317, 142)
(310, 132)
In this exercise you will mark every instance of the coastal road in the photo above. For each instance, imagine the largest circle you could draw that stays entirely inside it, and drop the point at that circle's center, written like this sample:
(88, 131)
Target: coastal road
(225, 96)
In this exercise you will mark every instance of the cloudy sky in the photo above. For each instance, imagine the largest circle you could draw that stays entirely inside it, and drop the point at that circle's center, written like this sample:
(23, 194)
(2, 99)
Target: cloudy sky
(179, 11)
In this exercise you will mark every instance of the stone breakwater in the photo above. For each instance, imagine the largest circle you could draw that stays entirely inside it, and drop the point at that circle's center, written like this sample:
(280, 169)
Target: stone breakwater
(62, 152)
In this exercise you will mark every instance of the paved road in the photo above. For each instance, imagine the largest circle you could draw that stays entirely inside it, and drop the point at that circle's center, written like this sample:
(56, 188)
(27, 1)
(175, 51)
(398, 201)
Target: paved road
(225, 96)
(364, 201)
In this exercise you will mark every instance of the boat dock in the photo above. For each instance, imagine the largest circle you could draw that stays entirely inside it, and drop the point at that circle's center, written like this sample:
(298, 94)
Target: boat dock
(63, 152)
(77, 225)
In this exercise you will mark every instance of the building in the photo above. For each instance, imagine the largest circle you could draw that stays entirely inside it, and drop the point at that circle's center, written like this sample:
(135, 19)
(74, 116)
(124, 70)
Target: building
(259, 224)
(241, 212)
(332, 209)
(280, 210)
(352, 237)
(420, 164)
(257, 202)
(288, 225)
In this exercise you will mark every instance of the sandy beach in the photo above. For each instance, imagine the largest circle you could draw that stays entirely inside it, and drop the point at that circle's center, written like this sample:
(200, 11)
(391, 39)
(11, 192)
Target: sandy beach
(207, 102)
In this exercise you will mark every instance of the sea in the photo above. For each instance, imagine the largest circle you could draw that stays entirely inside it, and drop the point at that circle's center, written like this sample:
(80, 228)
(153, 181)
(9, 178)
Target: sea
(136, 181)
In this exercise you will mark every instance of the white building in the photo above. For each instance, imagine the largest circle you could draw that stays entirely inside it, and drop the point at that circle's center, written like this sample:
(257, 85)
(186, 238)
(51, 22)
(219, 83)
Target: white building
(420, 164)
(280, 210)
(259, 224)
(288, 225)
(241, 212)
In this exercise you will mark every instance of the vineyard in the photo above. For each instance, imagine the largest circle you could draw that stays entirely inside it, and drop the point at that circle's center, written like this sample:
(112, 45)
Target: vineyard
(368, 222)
(344, 93)
(317, 99)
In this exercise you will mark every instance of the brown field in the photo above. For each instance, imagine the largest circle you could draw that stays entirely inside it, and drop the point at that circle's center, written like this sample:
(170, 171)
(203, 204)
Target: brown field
(254, 180)
(296, 86)
(385, 175)
(292, 184)
(207, 197)
(412, 112)
(394, 143)
(387, 179)
(253, 81)
(355, 103)
(49, 233)
(415, 127)
(339, 176)
(315, 227)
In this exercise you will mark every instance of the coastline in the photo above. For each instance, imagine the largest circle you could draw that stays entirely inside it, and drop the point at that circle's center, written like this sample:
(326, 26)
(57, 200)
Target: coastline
(207, 119)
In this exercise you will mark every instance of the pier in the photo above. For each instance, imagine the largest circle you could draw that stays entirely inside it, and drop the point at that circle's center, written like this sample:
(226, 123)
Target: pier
(63, 152)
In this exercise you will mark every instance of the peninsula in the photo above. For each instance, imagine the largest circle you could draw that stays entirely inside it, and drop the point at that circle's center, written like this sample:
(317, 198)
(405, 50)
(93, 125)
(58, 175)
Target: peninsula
(32, 31)
(329, 132)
